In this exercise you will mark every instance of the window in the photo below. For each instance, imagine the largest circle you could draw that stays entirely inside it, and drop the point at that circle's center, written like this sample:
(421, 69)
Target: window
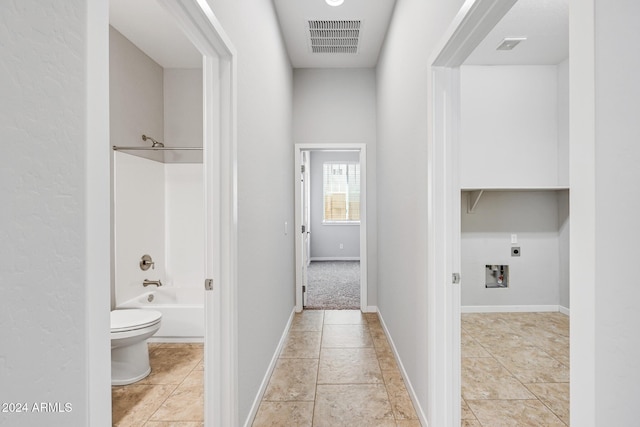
(341, 191)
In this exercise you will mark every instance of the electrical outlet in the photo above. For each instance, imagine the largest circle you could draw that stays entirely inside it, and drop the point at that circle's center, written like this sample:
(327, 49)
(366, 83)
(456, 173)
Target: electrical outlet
(515, 251)
(514, 239)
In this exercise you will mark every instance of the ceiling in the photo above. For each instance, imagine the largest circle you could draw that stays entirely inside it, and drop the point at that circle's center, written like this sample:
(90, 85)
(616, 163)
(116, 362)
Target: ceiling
(545, 24)
(373, 17)
(150, 27)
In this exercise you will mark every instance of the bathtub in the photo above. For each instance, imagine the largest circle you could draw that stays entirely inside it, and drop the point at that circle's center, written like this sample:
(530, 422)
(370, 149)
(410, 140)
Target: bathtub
(182, 312)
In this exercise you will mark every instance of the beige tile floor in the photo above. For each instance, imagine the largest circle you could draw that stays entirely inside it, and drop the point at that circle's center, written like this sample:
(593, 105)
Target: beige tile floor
(171, 396)
(515, 369)
(336, 369)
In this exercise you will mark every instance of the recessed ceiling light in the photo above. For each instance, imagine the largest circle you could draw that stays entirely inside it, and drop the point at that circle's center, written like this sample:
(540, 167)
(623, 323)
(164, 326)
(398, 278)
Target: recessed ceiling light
(334, 2)
(510, 42)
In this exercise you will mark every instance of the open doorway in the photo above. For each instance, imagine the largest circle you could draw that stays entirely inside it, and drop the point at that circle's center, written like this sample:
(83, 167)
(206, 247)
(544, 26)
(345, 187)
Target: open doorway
(331, 221)
(331, 205)
(483, 180)
(217, 145)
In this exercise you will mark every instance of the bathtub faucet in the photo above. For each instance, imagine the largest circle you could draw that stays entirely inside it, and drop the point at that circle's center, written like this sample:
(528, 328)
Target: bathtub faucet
(148, 282)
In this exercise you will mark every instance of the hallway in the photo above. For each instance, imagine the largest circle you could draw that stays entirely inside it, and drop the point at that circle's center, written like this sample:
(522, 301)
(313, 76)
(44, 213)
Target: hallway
(336, 369)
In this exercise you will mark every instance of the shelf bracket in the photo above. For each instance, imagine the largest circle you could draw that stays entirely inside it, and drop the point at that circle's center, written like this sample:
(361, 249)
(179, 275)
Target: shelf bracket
(474, 198)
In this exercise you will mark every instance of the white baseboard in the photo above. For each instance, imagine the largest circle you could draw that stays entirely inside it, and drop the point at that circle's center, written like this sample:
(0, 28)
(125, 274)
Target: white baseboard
(335, 258)
(265, 381)
(176, 339)
(412, 393)
(508, 308)
(564, 310)
(370, 309)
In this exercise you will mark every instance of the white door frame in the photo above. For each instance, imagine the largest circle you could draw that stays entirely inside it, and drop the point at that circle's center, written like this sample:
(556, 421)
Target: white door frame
(362, 148)
(199, 23)
(473, 22)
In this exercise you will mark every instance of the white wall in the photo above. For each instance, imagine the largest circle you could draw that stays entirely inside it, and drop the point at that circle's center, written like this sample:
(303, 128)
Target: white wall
(339, 106)
(402, 114)
(534, 277)
(266, 268)
(509, 126)
(616, 230)
(563, 180)
(563, 123)
(135, 95)
(183, 107)
(43, 224)
(326, 239)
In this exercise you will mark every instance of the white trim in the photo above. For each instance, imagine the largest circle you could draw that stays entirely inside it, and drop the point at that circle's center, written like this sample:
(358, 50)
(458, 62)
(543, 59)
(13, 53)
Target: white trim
(362, 148)
(185, 340)
(333, 258)
(412, 393)
(564, 310)
(98, 218)
(582, 246)
(510, 308)
(199, 23)
(267, 376)
(473, 22)
(371, 309)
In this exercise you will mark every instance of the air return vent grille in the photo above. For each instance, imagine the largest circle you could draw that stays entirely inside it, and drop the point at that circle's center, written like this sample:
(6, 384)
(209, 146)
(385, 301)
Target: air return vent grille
(334, 36)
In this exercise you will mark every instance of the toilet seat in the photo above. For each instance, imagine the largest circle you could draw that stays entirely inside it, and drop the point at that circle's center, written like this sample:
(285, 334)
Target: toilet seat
(133, 319)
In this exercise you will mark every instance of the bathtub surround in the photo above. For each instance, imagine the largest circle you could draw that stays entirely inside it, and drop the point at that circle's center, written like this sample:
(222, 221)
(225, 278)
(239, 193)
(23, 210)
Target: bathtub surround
(158, 211)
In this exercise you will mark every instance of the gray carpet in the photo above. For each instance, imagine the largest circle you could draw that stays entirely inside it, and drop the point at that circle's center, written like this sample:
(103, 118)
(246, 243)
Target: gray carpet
(333, 285)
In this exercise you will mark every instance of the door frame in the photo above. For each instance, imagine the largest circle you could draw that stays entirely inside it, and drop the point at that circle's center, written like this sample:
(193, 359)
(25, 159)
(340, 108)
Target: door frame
(201, 26)
(470, 26)
(362, 148)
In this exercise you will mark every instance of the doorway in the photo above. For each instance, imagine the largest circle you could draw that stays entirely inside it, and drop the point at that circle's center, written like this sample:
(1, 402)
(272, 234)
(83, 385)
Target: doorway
(200, 25)
(450, 175)
(330, 203)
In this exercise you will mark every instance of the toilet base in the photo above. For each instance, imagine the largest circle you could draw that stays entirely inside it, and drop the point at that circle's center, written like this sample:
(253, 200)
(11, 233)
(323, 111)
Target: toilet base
(130, 363)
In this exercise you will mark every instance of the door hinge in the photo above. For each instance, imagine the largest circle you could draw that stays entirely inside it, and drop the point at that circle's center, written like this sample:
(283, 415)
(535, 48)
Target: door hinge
(302, 168)
(304, 228)
(208, 284)
(304, 289)
(455, 278)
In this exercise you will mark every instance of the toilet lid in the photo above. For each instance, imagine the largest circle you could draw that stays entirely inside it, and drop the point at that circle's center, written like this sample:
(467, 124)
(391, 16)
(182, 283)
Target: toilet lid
(123, 320)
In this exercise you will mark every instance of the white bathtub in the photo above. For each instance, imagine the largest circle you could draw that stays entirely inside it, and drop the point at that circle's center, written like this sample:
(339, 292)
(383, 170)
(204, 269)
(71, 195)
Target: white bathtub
(182, 312)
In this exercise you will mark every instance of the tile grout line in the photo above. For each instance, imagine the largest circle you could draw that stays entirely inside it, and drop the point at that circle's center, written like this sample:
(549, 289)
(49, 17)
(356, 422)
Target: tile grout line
(315, 397)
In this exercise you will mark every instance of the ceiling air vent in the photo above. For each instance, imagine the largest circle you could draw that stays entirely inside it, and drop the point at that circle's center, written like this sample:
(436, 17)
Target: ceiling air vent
(334, 36)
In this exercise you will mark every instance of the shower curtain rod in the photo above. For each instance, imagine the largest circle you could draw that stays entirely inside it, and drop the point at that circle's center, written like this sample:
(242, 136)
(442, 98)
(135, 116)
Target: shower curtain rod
(118, 148)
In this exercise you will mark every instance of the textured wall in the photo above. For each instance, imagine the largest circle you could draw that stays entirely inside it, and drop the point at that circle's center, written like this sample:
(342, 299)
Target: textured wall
(401, 76)
(265, 188)
(534, 277)
(42, 223)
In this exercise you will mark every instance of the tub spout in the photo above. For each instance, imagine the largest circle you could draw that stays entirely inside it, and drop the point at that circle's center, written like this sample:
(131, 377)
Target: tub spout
(148, 282)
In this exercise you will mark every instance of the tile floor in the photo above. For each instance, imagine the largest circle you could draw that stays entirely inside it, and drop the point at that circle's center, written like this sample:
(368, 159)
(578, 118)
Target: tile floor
(171, 396)
(515, 369)
(336, 369)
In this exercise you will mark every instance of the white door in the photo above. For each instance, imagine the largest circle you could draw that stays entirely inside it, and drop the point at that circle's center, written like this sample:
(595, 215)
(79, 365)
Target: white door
(306, 233)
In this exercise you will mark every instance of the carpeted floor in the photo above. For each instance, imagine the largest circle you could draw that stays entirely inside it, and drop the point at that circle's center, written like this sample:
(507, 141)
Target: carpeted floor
(333, 285)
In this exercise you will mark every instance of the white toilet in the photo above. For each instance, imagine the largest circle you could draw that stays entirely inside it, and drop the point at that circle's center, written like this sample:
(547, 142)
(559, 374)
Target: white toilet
(129, 353)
